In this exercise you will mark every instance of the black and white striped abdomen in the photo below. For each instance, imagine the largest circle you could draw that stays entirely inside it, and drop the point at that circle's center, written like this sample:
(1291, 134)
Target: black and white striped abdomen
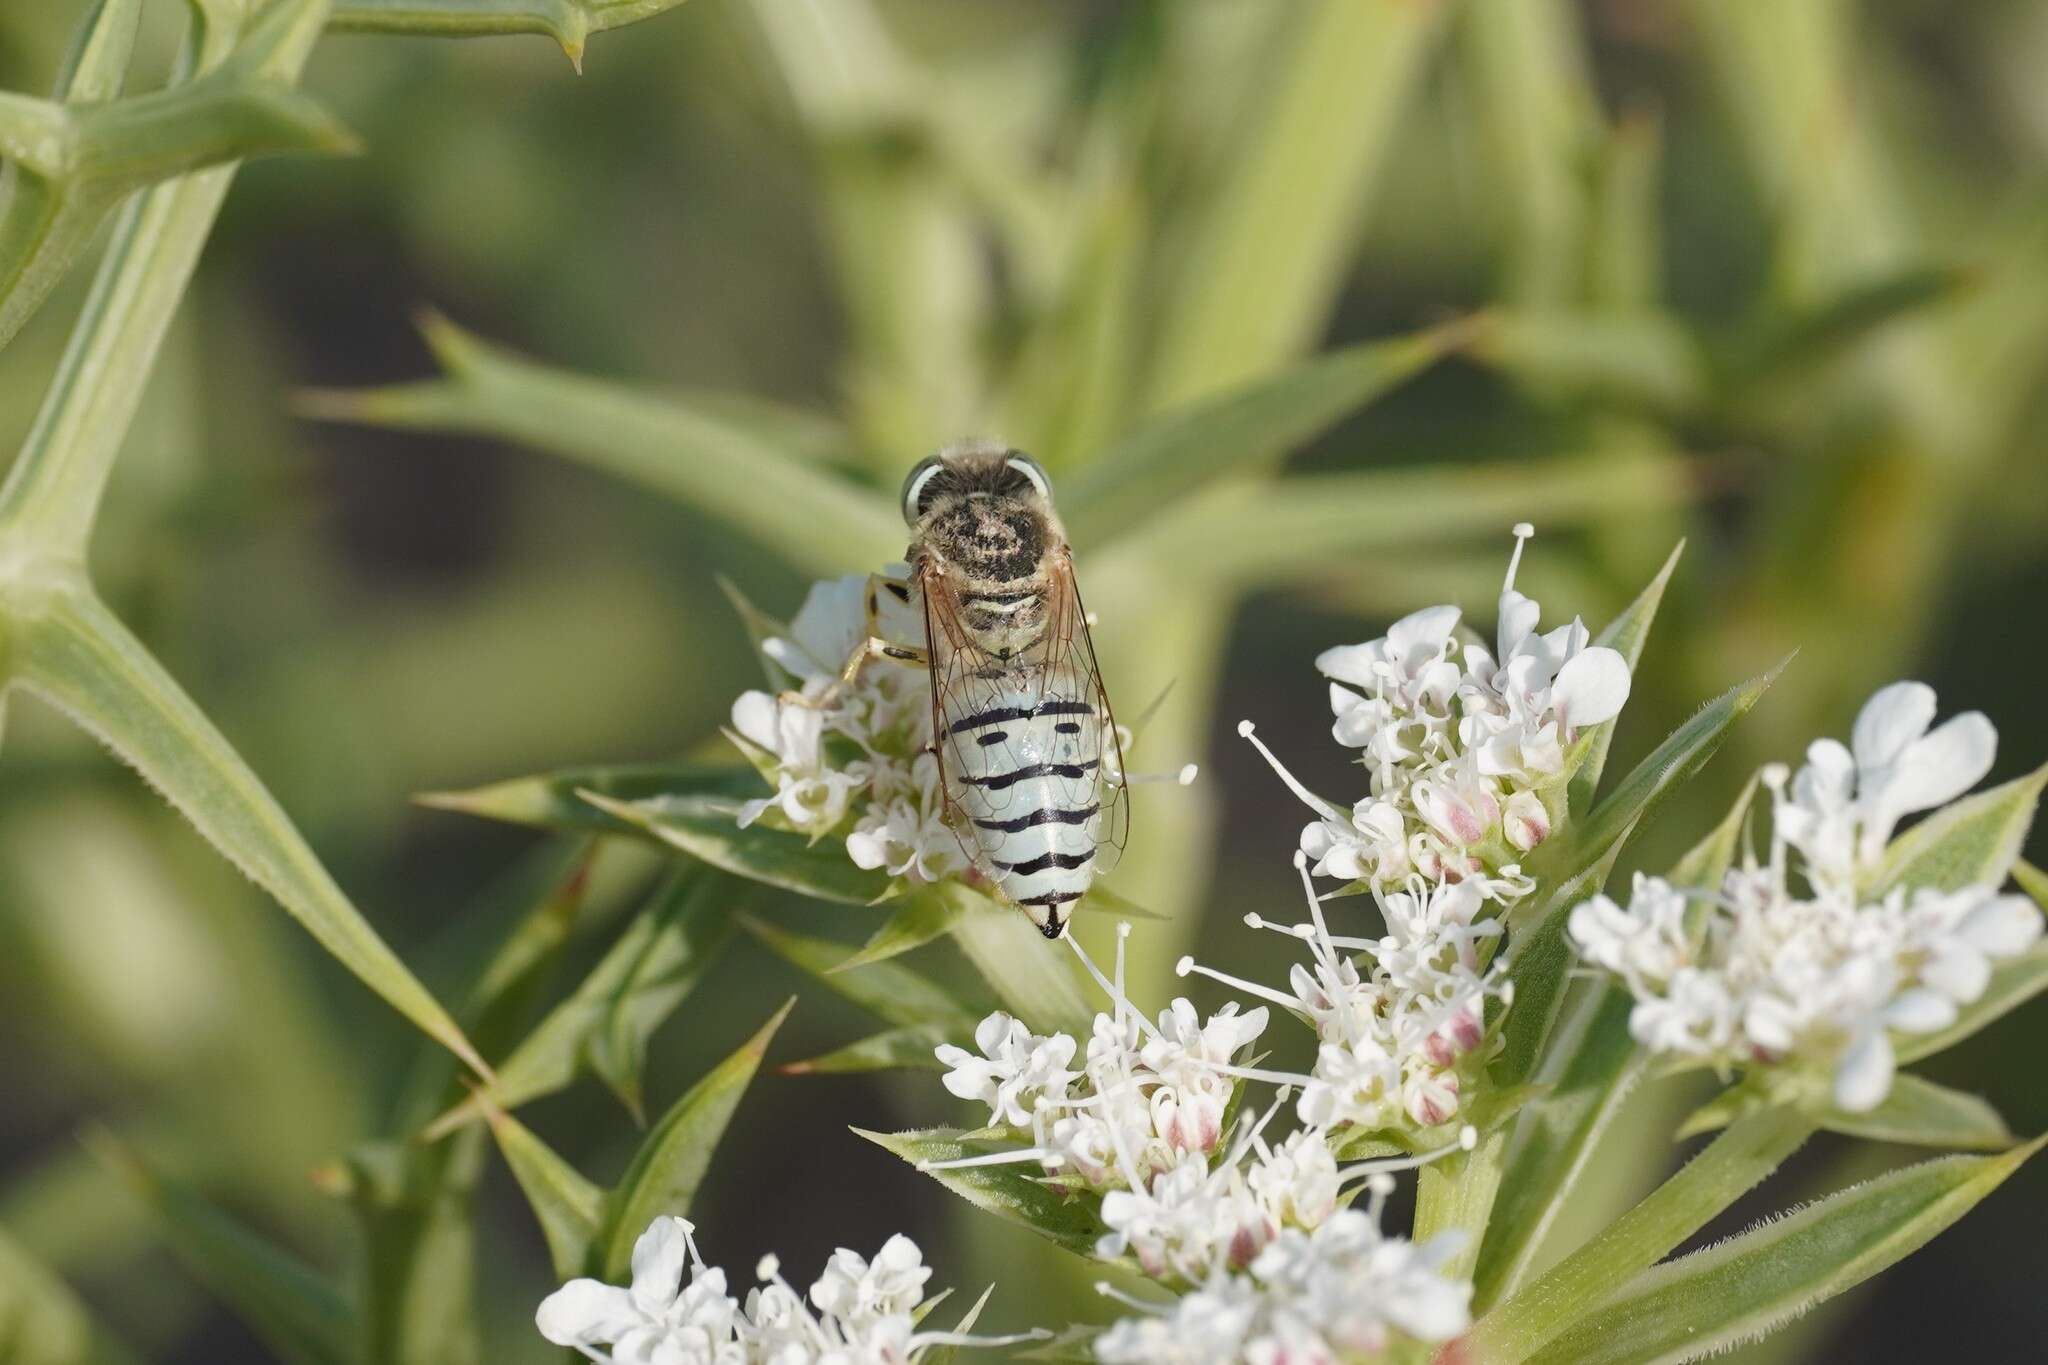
(1027, 772)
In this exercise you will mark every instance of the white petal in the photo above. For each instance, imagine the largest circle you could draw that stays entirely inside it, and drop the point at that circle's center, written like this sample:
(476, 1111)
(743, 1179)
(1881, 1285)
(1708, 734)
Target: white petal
(1942, 766)
(658, 1261)
(1958, 971)
(1864, 1076)
(1920, 1011)
(2002, 926)
(586, 1312)
(1894, 717)
(1426, 628)
(753, 715)
(1592, 688)
(1350, 664)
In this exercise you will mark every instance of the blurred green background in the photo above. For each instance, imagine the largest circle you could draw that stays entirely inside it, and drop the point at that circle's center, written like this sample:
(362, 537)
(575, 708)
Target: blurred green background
(1789, 255)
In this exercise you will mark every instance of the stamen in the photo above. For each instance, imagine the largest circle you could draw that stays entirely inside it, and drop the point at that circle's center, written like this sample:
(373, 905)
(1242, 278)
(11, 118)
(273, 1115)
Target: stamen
(1188, 964)
(1523, 532)
(1184, 778)
(1115, 1295)
(1309, 798)
(923, 1339)
(1382, 1168)
(1043, 1155)
(1114, 991)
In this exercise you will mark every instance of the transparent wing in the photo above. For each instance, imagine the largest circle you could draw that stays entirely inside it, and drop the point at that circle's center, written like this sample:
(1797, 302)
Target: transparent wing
(1060, 669)
(1071, 663)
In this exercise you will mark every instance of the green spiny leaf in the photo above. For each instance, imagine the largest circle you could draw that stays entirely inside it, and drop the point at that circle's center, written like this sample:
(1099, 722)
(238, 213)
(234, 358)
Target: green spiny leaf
(1747, 1286)
(80, 658)
(665, 1173)
(1644, 359)
(1729, 1166)
(1627, 634)
(908, 1048)
(655, 963)
(1973, 842)
(1186, 449)
(813, 517)
(1924, 1114)
(708, 828)
(925, 914)
(1683, 753)
(550, 800)
(888, 990)
(42, 1322)
(1008, 1191)
(569, 1208)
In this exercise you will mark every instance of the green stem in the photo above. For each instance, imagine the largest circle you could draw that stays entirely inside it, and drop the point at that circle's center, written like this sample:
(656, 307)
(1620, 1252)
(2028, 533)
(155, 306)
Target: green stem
(1729, 1166)
(1459, 1196)
(53, 491)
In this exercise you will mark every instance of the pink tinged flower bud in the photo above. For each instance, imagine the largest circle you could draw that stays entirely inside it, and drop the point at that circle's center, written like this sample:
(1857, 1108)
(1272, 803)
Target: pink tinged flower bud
(1431, 1097)
(1527, 822)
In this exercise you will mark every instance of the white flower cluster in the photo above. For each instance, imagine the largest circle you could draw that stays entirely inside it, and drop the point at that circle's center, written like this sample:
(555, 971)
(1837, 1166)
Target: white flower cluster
(1466, 748)
(677, 1310)
(1340, 1292)
(850, 761)
(1402, 1026)
(1811, 972)
(1254, 1231)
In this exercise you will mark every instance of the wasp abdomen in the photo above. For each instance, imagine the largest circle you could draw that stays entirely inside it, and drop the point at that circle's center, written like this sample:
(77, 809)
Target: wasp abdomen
(1029, 767)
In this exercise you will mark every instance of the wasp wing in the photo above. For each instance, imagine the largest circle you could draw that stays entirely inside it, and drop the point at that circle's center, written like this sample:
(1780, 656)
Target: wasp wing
(1059, 670)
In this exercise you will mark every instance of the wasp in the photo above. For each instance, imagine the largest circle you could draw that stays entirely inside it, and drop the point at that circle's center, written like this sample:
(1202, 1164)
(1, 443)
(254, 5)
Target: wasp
(1030, 758)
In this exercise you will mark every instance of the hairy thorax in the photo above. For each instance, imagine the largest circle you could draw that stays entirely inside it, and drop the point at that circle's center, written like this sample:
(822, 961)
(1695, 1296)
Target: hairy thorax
(994, 554)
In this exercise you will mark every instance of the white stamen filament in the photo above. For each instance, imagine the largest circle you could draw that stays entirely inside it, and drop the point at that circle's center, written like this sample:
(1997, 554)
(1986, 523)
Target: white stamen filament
(1188, 964)
(1314, 802)
(1040, 1154)
(1523, 533)
(1384, 1167)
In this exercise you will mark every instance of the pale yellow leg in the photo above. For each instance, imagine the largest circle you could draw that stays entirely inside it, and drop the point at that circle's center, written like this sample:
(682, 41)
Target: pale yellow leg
(873, 647)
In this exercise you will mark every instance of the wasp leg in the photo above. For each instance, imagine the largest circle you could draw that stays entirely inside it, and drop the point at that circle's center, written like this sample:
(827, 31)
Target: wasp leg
(869, 649)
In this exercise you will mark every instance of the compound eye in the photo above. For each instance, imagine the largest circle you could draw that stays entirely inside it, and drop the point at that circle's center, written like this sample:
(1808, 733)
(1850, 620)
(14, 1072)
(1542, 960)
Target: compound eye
(1028, 467)
(918, 485)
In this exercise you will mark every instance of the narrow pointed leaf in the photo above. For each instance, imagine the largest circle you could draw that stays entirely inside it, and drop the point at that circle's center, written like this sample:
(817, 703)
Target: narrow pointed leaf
(550, 800)
(568, 1207)
(1009, 1191)
(659, 959)
(671, 1163)
(908, 1048)
(81, 659)
(2032, 880)
(569, 22)
(1188, 448)
(1279, 225)
(925, 914)
(1627, 634)
(1741, 1289)
(292, 1308)
(1637, 796)
(1306, 526)
(1645, 360)
(1727, 1168)
(1923, 1114)
(890, 991)
(816, 519)
(1541, 970)
(1790, 348)
(1973, 842)
(708, 828)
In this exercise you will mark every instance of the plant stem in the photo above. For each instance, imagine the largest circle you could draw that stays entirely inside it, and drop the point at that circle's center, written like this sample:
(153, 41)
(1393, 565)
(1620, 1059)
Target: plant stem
(1461, 1199)
(1730, 1165)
